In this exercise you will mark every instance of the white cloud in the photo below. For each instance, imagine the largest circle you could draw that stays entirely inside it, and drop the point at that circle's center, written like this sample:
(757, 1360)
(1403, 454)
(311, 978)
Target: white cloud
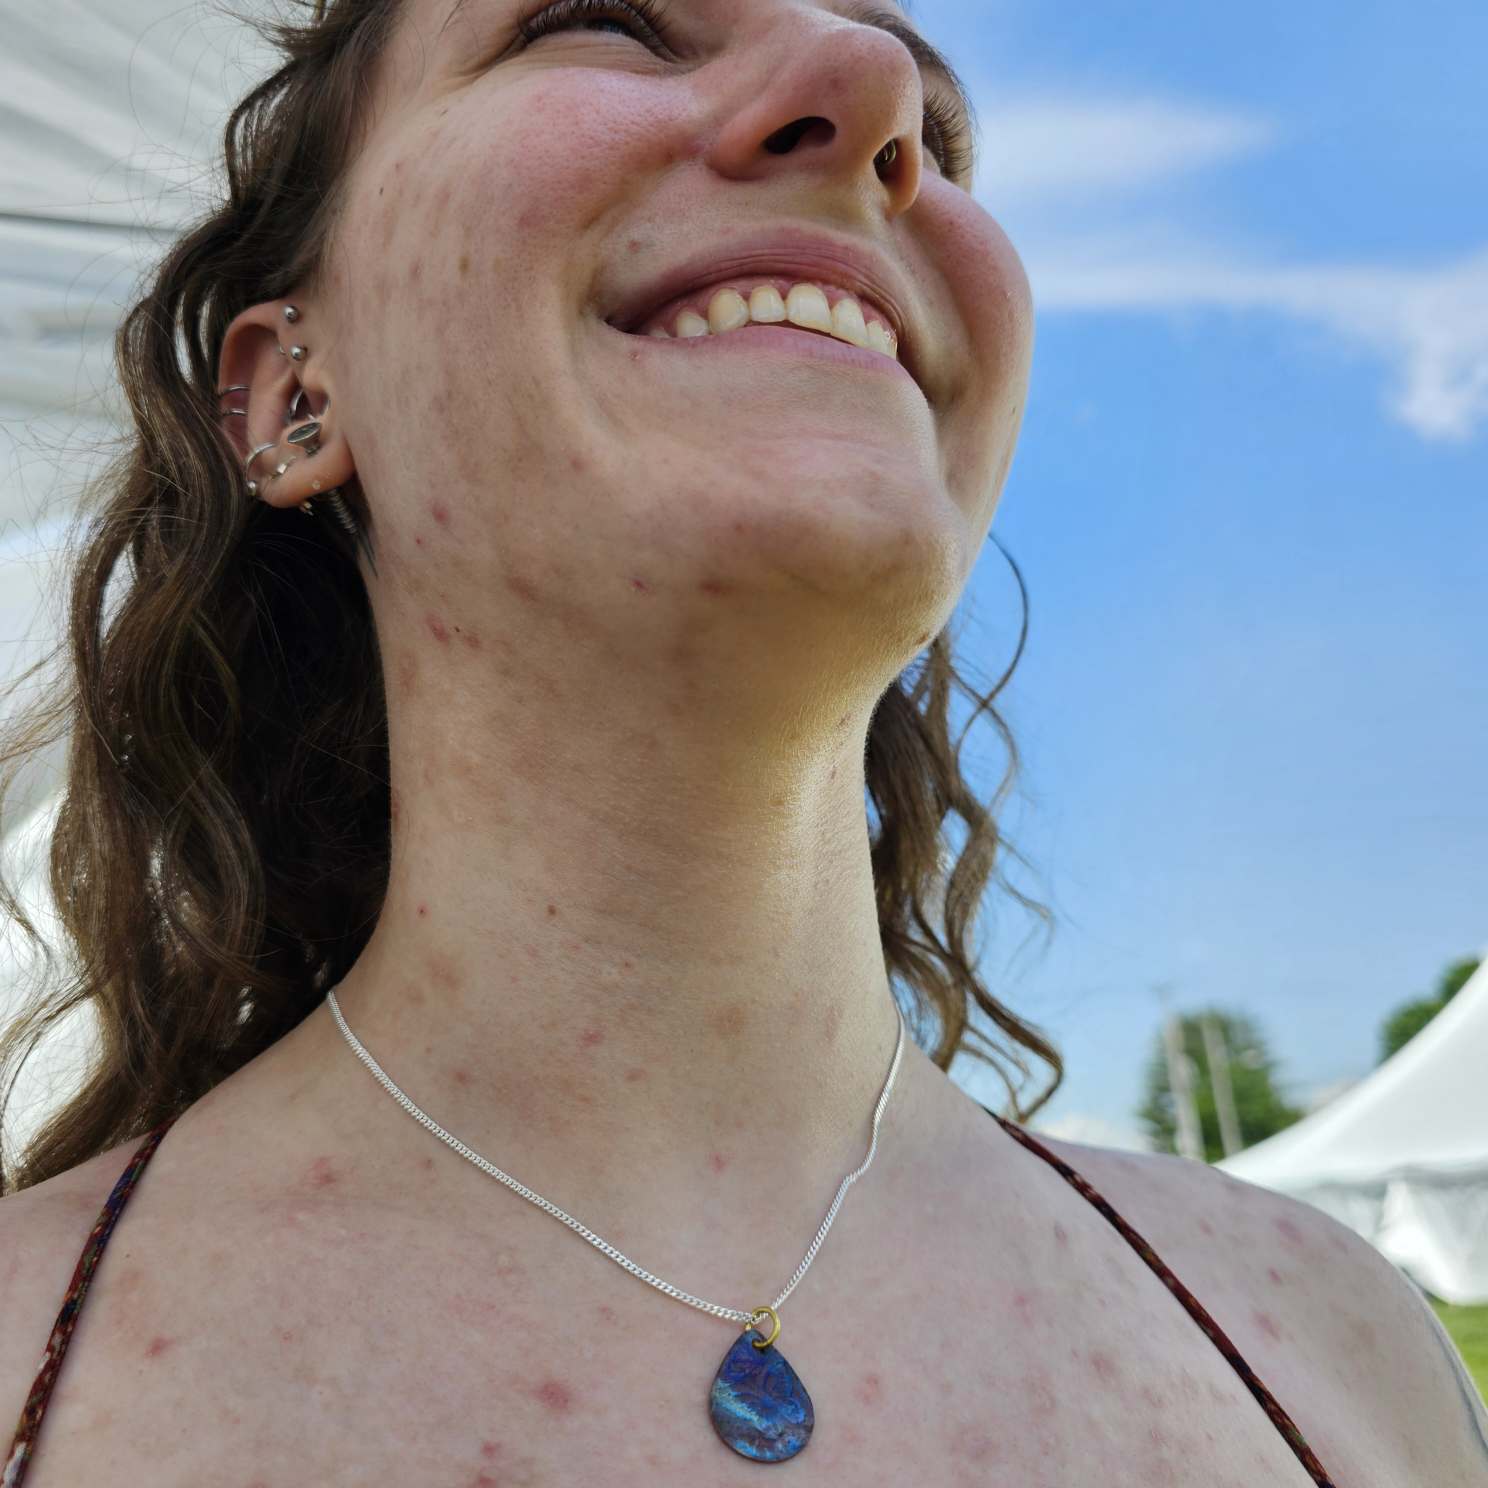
(1080, 186)
(1039, 148)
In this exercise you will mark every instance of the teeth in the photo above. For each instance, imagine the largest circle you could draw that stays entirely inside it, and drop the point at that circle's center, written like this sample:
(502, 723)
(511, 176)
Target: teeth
(765, 305)
(806, 306)
(847, 321)
(727, 311)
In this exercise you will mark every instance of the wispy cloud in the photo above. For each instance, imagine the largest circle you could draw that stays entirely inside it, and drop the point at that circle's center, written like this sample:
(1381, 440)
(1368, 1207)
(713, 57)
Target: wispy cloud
(1085, 189)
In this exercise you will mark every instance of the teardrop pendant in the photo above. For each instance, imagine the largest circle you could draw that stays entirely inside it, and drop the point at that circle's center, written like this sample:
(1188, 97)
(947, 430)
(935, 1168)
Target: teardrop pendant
(758, 1405)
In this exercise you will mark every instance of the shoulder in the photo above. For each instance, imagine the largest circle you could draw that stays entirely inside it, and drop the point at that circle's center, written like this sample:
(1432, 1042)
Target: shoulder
(1327, 1321)
(42, 1233)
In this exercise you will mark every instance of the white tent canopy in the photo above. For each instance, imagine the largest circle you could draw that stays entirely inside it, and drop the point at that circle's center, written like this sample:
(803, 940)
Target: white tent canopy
(1402, 1157)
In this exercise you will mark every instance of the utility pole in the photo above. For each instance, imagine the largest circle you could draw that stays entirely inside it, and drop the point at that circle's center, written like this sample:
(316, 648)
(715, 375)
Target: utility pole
(1219, 1080)
(1180, 1082)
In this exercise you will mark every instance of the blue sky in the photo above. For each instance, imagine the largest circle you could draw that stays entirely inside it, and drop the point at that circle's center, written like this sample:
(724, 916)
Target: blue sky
(1250, 502)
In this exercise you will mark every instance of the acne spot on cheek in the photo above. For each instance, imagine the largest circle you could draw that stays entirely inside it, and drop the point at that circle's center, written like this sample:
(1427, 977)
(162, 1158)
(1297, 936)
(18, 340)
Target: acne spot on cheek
(717, 1161)
(440, 512)
(591, 1036)
(555, 1395)
(870, 1390)
(461, 1077)
(640, 584)
(437, 629)
(715, 587)
(321, 1174)
(158, 1346)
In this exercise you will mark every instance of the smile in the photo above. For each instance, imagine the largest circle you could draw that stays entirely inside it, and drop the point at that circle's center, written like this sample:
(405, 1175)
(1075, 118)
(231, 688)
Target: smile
(767, 300)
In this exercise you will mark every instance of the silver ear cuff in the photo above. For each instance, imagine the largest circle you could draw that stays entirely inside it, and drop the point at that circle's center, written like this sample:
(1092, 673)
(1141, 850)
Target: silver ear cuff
(306, 439)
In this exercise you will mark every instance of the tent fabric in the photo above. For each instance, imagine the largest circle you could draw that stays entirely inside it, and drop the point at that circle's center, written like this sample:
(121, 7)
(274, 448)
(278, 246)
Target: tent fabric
(1402, 1156)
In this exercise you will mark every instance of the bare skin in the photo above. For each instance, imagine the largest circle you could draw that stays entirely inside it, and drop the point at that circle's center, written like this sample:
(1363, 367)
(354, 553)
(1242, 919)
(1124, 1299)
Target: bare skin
(636, 605)
(307, 1286)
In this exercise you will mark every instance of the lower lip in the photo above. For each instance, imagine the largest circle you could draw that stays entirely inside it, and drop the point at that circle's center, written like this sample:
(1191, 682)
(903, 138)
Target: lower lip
(776, 338)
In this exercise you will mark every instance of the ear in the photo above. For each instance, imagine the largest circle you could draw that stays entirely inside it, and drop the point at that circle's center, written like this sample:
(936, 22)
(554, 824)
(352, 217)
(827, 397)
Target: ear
(282, 364)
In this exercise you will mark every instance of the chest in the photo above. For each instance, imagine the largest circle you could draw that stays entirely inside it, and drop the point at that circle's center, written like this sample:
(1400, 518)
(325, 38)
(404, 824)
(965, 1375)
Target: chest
(353, 1356)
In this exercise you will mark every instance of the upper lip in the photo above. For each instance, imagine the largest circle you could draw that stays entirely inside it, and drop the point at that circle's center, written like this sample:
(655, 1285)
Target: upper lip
(808, 256)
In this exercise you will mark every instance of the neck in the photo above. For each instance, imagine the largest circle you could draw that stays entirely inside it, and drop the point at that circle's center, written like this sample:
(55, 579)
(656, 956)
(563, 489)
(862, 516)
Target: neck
(618, 978)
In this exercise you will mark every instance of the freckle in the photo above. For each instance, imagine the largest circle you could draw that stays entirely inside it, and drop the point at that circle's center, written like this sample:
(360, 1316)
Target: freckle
(321, 1173)
(717, 1161)
(554, 1394)
(436, 628)
(1266, 1323)
(1275, 1275)
(464, 263)
(626, 963)
(158, 1346)
(440, 513)
(870, 1390)
(552, 910)
(1061, 1235)
(592, 1036)
(632, 1075)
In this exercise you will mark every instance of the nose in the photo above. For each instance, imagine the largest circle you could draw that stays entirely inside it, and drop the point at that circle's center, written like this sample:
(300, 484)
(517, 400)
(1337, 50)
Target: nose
(815, 95)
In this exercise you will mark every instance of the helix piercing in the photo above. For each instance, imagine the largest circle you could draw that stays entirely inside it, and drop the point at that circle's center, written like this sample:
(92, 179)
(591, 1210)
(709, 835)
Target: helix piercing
(291, 314)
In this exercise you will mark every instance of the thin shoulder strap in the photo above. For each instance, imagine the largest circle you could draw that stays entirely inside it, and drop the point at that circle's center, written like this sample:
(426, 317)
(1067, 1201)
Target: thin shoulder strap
(1269, 1403)
(24, 1442)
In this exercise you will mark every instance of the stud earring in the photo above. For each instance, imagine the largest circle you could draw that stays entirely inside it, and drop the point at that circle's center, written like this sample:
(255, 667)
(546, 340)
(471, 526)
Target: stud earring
(291, 314)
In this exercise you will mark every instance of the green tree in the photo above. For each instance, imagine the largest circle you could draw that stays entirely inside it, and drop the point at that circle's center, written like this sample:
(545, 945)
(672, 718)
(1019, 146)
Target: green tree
(1411, 1017)
(1259, 1106)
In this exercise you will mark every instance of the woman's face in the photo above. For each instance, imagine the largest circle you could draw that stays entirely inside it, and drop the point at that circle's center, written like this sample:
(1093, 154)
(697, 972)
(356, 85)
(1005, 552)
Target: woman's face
(512, 198)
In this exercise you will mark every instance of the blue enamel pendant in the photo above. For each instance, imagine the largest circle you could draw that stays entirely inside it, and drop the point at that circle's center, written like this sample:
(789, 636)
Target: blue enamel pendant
(758, 1405)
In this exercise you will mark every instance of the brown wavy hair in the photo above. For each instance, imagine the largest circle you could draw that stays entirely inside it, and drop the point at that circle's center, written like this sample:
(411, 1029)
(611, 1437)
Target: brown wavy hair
(221, 850)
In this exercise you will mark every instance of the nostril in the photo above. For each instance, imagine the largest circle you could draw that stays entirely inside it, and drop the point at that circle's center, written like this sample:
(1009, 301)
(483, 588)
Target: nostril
(786, 139)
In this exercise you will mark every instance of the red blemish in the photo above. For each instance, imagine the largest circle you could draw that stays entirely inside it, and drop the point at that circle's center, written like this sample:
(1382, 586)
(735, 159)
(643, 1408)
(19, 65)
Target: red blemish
(554, 1394)
(423, 909)
(1154, 1398)
(158, 1345)
(626, 963)
(640, 584)
(287, 1336)
(418, 542)
(1206, 1227)
(552, 909)
(1291, 1231)
(471, 639)
(714, 586)
(428, 1162)
(1103, 1364)
(1276, 1277)
(440, 512)
(591, 1036)
(1061, 1235)
(462, 1077)
(738, 526)
(607, 1312)
(717, 1161)
(490, 1448)
(521, 587)
(321, 1173)
(485, 1480)
(436, 628)
(870, 1390)
(632, 1075)
(1023, 1306)
(1267, 1324)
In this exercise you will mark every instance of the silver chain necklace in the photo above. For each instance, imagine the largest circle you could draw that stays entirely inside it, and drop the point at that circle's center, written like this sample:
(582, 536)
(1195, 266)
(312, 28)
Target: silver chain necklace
(757, 1404)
